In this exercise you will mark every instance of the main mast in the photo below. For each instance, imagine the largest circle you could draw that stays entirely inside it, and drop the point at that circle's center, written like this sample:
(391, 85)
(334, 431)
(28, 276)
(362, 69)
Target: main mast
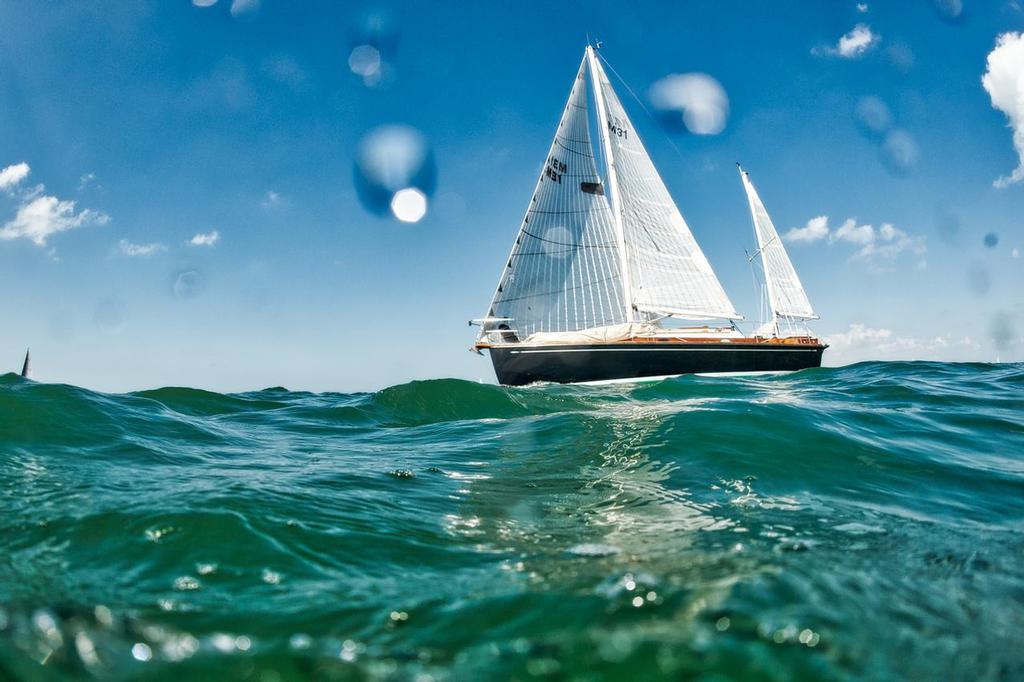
(613, 182)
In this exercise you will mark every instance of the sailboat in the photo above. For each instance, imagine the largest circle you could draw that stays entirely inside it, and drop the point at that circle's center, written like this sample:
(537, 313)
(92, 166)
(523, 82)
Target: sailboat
(605, 280)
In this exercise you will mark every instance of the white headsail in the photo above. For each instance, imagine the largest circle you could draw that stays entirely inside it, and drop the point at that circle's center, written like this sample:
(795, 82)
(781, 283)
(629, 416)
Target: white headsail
(668, 271)
(786, 294)
(564, 270)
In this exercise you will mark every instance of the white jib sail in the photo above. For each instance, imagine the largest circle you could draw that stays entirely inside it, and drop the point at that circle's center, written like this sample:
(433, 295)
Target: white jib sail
(786, 294)
(564, 270)
(668, 271)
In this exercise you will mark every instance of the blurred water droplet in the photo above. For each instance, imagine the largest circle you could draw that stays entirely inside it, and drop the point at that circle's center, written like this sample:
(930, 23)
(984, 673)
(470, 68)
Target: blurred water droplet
(395, 160)
(900, 152)
(109, 312)
(187, 284)
(374, 43)
(1001, 330)
(947, 224)
(951, 11)
(901, 57)
(559, 242)
(690, 101)
(365, 61)
(141, 652)
(409, 205)
(245, 9)
(991, 240)
(873, 116)
(978, 279)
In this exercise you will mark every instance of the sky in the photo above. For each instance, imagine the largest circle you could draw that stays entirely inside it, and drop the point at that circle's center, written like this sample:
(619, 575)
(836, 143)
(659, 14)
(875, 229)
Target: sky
(179, 201)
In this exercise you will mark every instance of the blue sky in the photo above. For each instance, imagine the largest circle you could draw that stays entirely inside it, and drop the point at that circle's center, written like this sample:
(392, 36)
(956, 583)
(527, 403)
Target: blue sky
(167, 123)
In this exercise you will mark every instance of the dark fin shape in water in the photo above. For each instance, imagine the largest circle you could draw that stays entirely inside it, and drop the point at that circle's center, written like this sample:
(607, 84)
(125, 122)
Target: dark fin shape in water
(26, 369)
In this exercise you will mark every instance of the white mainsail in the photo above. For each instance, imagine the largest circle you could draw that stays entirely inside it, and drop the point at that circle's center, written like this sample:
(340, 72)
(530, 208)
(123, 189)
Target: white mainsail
(668, 271)
(786, 294)
(564, 271)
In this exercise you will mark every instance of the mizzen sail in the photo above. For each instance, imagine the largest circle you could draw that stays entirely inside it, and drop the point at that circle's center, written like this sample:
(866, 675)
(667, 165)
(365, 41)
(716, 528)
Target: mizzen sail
(786, 294)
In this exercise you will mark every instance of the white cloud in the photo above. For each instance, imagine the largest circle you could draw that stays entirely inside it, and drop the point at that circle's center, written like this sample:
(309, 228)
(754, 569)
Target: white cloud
(1015, 253)
(854, 44)
(204, 239)
(815, 230)
(862, 7)
(127, 248)
(850, 231)
(13, 175)
(204, 3)
(861, 342)
(1004, 83)
(84, 180)
(874, 245)
(42, 216)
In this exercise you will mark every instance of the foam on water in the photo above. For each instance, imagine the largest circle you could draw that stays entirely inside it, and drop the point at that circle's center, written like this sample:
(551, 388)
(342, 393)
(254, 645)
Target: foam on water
(862, 522)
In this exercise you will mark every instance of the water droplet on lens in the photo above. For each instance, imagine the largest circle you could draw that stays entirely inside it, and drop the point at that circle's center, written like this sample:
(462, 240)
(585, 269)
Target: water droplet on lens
(873, 116)
(186, 284)
(142, 652)
(950, 11)
(978, 279)
(409, 205)
(395, 172)
(900, 152)
(690, 101)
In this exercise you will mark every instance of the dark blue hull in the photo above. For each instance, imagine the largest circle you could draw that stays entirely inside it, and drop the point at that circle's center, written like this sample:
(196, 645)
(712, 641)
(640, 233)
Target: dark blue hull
(520, 365)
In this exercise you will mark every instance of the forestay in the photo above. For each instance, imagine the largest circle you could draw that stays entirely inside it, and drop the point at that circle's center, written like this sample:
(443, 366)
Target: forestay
(564, 272)
(669, 273)
(786, 294)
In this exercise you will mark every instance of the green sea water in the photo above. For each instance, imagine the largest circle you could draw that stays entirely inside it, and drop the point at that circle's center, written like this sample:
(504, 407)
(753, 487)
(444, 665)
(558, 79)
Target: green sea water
(865, 522)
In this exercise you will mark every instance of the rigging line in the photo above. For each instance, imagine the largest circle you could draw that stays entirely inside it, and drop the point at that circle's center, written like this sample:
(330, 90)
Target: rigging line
(642, 106)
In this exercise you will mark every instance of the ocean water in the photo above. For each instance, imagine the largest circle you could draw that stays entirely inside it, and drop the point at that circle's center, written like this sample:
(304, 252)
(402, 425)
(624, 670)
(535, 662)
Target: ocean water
(857, 523)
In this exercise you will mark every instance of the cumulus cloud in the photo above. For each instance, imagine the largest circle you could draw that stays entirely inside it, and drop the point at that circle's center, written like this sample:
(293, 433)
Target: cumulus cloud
(204, 239)
(127, 248)
(852, 45)
(815, 230)
(1004, 83)
(40, 217)
(873, 245)
(12, 176)
(862, 7)
(861, 342)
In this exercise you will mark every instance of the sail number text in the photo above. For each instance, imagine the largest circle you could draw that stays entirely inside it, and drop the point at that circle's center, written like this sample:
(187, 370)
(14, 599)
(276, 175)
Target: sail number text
(555, 169)
(618, 131)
